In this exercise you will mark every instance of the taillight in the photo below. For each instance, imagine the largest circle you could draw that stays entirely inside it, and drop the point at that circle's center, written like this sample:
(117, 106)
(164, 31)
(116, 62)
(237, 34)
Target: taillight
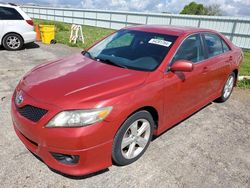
(30, 22)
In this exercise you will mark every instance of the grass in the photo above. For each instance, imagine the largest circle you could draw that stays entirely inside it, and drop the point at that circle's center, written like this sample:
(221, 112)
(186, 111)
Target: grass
(91, 34)
(245, 71)
(245, 84)
(245, 66)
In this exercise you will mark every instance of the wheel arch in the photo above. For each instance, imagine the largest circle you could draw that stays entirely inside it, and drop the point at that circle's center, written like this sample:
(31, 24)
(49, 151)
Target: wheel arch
(152, 110)
(236, 72)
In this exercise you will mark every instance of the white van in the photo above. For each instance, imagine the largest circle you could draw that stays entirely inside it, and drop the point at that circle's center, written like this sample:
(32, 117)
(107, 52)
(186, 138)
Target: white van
(16, 27)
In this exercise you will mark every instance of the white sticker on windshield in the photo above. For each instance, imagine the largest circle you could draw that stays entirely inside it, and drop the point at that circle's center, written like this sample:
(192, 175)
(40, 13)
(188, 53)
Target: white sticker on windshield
(160, 42)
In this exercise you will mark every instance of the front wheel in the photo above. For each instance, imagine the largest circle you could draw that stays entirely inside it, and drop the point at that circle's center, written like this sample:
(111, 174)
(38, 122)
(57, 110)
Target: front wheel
(228, 88)
(133, 138)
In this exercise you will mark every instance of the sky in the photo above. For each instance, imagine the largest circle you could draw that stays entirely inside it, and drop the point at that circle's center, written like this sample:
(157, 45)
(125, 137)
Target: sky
(229, 7)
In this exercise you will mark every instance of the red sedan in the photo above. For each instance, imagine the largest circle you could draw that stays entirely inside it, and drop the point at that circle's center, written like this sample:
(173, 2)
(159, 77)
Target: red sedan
(102, 107)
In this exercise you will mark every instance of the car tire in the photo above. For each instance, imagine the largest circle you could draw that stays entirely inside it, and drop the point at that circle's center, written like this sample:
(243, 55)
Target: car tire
(13, 42)
(133, 138)
(227, 88)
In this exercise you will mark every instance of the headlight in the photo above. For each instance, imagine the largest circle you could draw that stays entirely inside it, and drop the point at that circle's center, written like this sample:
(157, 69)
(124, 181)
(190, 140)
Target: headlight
(79, 118)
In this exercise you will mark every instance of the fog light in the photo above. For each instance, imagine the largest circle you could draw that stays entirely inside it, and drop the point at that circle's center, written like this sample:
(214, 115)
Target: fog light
(66, 159)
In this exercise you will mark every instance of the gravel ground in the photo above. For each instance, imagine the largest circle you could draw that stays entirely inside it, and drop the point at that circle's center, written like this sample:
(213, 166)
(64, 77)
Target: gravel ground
(209, 149)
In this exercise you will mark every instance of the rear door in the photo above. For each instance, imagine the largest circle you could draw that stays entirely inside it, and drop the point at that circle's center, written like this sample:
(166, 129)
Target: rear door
(11, 20)
(219, 59)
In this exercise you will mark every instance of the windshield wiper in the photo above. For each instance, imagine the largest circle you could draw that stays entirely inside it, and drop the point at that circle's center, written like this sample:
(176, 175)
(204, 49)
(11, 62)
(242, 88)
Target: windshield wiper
(108, 61)
(84, 52)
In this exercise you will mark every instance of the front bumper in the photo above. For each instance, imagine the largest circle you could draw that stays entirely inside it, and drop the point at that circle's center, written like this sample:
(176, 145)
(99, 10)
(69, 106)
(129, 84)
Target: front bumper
(91, 159)
(93, 144)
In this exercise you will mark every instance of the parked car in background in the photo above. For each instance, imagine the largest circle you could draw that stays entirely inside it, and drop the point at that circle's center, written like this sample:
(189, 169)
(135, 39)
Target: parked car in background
(86, 112)
(16, 27)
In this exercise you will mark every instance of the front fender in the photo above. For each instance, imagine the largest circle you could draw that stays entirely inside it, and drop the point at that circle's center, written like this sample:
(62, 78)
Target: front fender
(148, 95)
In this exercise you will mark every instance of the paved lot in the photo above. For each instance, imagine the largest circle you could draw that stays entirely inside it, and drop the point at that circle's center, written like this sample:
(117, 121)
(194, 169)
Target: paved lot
(209, 149)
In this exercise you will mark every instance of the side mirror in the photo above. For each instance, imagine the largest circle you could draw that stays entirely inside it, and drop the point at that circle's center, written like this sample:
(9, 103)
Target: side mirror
(182, 65)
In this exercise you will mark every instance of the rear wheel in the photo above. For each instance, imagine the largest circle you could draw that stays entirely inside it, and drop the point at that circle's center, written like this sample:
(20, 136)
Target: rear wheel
(228, 88)
(12, 42)
(133, 138)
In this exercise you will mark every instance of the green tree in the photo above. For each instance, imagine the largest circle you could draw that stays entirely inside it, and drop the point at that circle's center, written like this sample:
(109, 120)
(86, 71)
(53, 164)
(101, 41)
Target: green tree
(213, 10)
(194, 9)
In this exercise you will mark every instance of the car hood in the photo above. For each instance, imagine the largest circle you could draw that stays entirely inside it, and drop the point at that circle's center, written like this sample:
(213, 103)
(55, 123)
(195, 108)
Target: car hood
(78, 79)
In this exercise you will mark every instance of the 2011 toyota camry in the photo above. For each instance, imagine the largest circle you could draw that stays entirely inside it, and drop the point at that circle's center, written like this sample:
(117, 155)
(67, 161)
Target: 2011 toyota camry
(86, 112)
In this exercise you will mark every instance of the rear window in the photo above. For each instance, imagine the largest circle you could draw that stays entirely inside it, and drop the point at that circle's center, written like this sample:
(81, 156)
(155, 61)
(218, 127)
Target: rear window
(7, 13)
(214, 44)
(225, 46)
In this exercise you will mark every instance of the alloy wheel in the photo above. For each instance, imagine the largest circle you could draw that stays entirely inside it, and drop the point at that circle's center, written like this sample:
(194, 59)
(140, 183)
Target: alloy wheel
(13, 42)
(135, 138)
(228, 87)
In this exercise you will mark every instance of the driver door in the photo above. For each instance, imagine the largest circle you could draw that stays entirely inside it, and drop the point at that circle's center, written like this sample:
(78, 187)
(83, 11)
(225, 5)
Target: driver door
(185, 92)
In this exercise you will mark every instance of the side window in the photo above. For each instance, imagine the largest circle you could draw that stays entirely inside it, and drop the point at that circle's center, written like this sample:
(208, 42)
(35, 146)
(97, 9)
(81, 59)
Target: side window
(123, 41)
(7, 13)
(191, 50)
(214, 45)
(225, 46)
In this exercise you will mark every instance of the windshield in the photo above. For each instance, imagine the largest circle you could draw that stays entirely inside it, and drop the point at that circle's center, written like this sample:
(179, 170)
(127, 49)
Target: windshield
(130, 49)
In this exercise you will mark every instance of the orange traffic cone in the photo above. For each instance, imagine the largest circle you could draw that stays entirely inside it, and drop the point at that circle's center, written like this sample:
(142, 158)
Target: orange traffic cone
(38, 34)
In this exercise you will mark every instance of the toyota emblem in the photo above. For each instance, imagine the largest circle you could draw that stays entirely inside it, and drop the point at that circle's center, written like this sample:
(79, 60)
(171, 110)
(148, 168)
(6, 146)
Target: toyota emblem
(19, 98)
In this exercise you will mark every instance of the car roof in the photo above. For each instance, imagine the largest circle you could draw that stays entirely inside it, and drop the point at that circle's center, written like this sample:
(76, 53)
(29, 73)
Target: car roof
(169, 29)
(7, 5)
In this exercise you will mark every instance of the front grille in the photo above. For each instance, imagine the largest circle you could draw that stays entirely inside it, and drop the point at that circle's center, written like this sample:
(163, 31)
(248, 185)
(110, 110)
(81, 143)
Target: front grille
(31, 112)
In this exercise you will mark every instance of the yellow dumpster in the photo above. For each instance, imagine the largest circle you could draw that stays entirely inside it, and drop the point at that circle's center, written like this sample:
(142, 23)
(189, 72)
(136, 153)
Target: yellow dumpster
(47, 33)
